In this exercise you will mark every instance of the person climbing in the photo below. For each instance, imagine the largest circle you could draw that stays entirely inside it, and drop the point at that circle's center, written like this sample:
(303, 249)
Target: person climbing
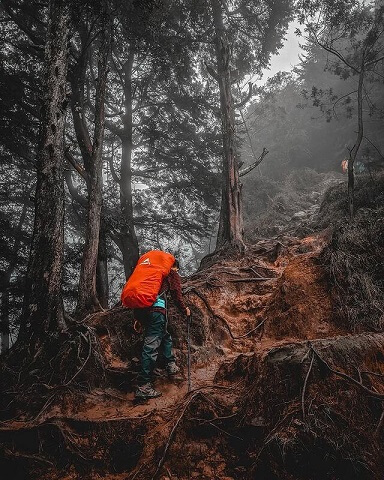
(156, 336)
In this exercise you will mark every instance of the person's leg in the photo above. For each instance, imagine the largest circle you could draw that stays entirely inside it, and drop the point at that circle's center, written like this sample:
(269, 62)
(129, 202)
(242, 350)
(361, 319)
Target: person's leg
(167, 348)
(154, 331)
(170, 360)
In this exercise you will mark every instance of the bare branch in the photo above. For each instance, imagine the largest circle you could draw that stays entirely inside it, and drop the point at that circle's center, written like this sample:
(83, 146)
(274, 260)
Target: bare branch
(374, 61)
(253, 165)
(339, 100)
(333, 51)
(374, 146)
(113, 171)
(76, 165)
(247, 98)
(73, 190)
(305, 385)
(212, 72)
(112, 127)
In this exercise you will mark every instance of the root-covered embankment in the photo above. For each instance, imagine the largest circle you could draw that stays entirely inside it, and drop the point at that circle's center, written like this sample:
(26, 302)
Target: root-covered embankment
(281, 387)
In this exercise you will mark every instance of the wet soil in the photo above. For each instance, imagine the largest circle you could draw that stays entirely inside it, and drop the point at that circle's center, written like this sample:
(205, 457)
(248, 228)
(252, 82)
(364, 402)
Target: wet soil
(249, 313)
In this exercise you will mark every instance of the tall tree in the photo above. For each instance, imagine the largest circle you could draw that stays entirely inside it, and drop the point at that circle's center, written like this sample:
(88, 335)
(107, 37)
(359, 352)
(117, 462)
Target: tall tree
(82, 98)
(19, 97)
(162, 122)
(43, 306)
(87, 299)
(231, 215)
(130, 247)
(245, 34)
(126, 238)
(352, 33)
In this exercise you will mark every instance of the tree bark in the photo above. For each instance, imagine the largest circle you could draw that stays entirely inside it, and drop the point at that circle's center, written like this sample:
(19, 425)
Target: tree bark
(231, 218)
(4, 323)
(87, 299)
(43, 307)
(78, 78)
(129, 243)
(102, 283)
(5, 286)
(77, 101)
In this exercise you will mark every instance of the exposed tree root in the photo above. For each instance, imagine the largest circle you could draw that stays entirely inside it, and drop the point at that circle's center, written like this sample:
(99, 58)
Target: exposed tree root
(292, 410)
(305, 385)
(348, 377)
(193, 396)
(172, 433)
(311, 409)
(73, 364)
(252, 279)
(222, 319)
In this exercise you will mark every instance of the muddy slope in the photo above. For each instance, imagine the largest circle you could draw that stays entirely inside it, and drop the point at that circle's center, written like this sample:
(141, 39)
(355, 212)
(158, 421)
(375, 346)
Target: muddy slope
(280, 389)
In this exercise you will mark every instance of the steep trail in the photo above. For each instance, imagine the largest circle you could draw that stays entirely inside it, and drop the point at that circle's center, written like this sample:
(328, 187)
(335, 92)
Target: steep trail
(283, 386)
(244, 295)
(277, 292)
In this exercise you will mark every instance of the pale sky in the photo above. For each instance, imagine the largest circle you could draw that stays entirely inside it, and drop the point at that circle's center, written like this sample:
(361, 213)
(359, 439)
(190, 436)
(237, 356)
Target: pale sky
(287, 57)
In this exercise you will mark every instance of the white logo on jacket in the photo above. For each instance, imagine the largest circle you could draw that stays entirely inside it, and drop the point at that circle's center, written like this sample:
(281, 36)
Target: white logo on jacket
(145, 262)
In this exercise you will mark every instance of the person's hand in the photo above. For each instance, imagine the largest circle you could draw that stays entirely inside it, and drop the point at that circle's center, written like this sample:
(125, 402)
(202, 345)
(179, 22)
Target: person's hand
(187, 311)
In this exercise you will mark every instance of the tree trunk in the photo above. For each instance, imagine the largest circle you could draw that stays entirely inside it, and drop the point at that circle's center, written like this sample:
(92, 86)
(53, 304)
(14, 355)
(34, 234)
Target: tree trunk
(84, 141)
(4, 324)
(102, 283)
(6, 283)
(356, 147)
(77, 101)
(231, 219)
(87, 299)
(130, 247)
(43, 307)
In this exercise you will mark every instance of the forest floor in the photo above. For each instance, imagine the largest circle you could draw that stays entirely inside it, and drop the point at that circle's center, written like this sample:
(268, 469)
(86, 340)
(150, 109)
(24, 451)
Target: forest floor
(265, 346)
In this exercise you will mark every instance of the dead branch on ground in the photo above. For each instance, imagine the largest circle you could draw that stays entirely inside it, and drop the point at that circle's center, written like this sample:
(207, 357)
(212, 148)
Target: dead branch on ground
(252, 279)
(347, 377)
(305, 386)
(172, 433)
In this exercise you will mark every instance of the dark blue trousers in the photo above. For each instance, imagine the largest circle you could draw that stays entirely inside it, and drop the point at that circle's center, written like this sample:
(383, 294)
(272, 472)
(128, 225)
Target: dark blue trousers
(155, 337)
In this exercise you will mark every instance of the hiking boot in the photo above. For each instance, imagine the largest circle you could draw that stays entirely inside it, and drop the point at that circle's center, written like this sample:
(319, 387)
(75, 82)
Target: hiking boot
(146, 391)
(172, 369)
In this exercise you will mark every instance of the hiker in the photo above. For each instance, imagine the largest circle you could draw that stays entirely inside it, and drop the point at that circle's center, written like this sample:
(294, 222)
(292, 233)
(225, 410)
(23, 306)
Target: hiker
(154, 320)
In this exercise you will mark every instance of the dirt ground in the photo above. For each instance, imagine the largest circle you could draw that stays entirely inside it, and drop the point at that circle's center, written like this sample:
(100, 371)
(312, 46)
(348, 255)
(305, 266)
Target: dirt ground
(261, 330)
